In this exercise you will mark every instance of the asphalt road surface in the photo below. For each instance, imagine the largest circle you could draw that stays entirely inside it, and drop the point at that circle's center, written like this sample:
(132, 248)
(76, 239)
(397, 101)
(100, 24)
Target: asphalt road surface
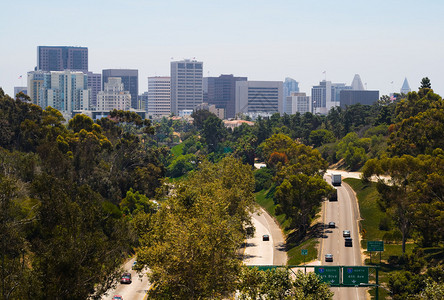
(134, 291)
(345, 214)
(259, 252)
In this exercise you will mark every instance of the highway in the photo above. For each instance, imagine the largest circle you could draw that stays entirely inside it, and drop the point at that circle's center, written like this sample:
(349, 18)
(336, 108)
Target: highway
(345, 214)
(259, 252)
(134, 291)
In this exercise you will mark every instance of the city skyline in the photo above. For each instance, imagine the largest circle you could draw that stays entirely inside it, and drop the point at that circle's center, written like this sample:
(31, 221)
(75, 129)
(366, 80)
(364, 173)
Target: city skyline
(383, 42)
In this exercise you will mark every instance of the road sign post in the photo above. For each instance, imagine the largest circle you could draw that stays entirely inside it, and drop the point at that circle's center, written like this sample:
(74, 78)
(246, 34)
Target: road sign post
(375, 246)
(354, 275)
(328, 274)
(304, 252)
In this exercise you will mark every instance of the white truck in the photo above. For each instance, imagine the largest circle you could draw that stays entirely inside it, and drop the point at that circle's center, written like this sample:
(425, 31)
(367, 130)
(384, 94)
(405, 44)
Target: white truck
(336, 179)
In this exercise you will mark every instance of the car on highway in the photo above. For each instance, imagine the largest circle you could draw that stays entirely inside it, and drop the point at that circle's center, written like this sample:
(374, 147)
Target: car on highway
(331, 225)
(265, 237)
(329, 257)
(346, 233)
(348, 242)
(117, 297)
(126, 278)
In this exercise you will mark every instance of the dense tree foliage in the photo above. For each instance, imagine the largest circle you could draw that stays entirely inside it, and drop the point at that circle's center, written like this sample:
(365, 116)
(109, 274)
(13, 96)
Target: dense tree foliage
(191, 244)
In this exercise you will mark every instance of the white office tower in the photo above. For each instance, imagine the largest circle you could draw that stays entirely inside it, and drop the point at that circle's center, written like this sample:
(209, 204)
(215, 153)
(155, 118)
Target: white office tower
(186, 85)
(35, 87)
(405, 89)
(259, 98)
(326, 95)
(66, 91)
(159, 96)
(113, 96)
(298, 103)
(357, 83)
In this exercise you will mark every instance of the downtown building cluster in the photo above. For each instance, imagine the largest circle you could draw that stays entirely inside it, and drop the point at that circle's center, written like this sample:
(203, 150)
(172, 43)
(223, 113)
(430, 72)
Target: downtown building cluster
(63, 81)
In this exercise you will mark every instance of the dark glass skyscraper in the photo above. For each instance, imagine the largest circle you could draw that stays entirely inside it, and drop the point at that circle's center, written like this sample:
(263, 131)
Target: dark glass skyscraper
(59, 58)
(221, 91)
(130, 80)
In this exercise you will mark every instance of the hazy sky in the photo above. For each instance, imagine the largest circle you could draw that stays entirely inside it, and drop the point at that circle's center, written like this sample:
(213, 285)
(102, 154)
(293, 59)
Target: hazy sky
(382, 40)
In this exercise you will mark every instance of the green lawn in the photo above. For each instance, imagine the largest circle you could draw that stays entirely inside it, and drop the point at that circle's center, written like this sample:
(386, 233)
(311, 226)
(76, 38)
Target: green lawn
(177, 150)
(371, 217)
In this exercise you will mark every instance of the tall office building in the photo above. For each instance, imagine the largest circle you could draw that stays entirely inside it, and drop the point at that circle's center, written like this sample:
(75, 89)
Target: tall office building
(65, 91)
(221, 91)
(290, 86)
(113, 96)
(256, 98)
(18, 89)
(159, 96)
(59, 58)
(357, 83)
(405, 89)
(297, 103)
(95, 85)
(143, 101)
(326, 95)
(186, 85)
(130, 80)
(365, 97)
(35, 87)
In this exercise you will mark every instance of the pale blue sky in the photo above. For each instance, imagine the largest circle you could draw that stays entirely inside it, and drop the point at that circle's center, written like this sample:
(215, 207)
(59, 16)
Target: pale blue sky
(381, 40)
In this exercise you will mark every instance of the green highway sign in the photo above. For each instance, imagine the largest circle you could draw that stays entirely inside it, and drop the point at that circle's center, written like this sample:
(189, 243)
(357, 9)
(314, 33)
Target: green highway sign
(354, 275)
(328, 274)
(304, 251)
(374, 246)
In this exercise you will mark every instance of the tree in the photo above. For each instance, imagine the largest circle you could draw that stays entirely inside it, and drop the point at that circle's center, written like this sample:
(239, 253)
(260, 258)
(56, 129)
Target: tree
(320, 137)
(299, 196)
(425, 83)
(192, 246)
(278, 284)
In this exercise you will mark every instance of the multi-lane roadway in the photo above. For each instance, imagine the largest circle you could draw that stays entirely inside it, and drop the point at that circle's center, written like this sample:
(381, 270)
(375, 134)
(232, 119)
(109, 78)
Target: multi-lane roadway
(345, 214)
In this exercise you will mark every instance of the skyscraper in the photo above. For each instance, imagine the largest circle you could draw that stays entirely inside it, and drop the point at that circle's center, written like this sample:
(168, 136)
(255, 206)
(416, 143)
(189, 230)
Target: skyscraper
(357, 83)
(256, 98)
(113, 96)
(297, 102)
(59, 58)
(65, 91)
(290, 86)
(220, 91)
(35, 86)
(159, 96)
(186, 85)
(405, 89)
(95, 85)
(130, 80)
(326, 95)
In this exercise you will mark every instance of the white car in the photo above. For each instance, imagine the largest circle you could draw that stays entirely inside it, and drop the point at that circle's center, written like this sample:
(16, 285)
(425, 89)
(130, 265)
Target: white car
(346, 233)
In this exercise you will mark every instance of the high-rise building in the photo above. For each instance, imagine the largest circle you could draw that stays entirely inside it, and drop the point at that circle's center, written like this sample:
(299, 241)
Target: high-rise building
(35, 87)
(357, 83)
(65, 91)
(255, 98)
(405, 89)
(350, 97)
(290, 86)
(59, 58)
(297, 103)
(95, 85)
(130, 80)
(220, 91)
(186, 85)
(18, 89)
(113, 96)
(326, 95)
(159, 96)
(143, 101)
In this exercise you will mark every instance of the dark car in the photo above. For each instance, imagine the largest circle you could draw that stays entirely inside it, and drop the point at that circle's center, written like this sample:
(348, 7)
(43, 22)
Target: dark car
(265, 237)
(334, 195)
(329, 257)
(117, 297)
(126, 278)
(348, 242)
(331, 225)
